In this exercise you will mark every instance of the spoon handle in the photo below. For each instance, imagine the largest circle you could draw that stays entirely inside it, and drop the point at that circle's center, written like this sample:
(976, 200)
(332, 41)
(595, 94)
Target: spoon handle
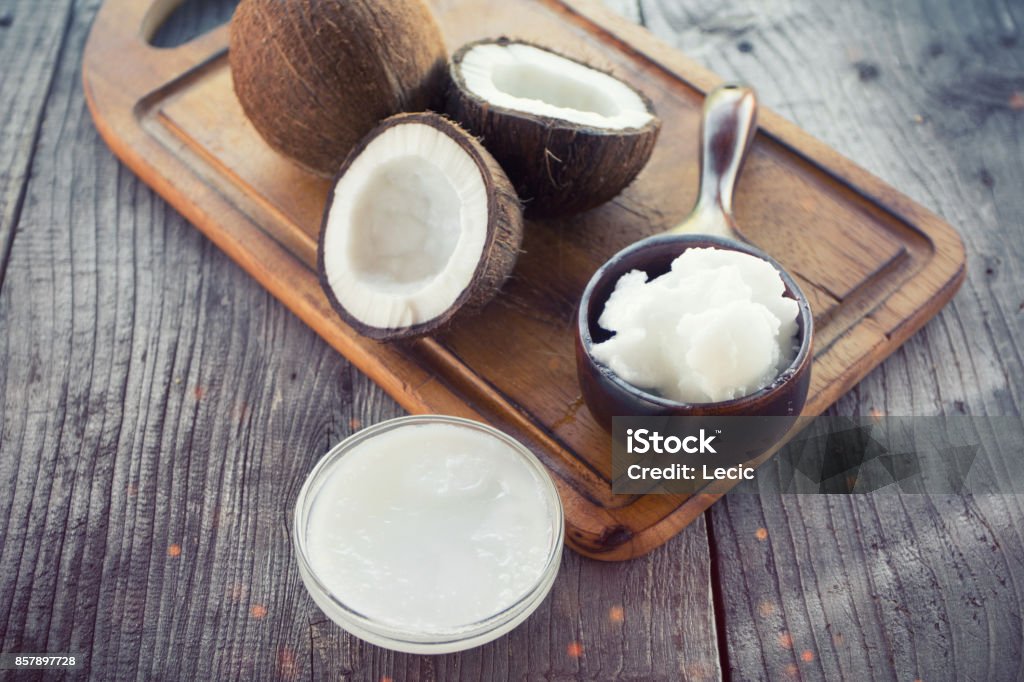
(727, 129)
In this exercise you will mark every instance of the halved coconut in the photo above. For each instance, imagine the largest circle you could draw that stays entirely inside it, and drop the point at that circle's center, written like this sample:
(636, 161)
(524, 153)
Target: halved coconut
(569, 136)
(422, 224)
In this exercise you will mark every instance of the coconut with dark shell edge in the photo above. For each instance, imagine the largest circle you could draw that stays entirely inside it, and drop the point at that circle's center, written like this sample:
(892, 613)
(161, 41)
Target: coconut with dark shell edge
(314, 76)
(422, 225)
(569, 136)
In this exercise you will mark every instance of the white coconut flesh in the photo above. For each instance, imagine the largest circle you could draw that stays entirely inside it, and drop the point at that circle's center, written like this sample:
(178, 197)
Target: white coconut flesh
(406, 229)
(526, 78)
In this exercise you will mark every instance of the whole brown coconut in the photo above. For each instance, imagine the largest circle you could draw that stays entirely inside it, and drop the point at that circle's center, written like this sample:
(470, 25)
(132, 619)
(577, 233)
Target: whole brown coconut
(314, 76)
(569, 136)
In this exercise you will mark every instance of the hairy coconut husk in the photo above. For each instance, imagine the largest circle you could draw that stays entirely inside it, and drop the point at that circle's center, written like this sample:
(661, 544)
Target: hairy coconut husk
(314, 76)
(558, 167)
(501, 248)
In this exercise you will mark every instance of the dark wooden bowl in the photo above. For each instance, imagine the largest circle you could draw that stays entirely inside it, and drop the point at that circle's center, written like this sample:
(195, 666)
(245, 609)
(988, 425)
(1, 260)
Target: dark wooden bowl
(607, 395)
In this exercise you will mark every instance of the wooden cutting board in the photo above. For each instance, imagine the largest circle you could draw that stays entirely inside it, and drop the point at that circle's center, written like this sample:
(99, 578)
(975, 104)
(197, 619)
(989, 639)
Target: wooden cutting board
(875, 265)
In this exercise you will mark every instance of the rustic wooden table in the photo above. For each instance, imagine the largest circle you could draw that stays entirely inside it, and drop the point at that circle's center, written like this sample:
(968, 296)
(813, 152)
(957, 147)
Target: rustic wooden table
(160, 410)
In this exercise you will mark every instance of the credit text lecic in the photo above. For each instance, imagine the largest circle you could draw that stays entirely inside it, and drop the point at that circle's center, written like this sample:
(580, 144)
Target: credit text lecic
(645, 441)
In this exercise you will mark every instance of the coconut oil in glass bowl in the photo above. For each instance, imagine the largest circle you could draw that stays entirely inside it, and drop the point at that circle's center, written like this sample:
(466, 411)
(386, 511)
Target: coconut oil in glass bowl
(429, 534)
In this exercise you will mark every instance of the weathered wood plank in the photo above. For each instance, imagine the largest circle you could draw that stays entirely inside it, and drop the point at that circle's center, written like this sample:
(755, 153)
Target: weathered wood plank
(160, 412)
(31, 34)
(929, 96)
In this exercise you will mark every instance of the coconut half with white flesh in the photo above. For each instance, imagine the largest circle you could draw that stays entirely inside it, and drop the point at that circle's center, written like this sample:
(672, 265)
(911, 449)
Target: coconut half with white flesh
(569, 136)
(422, 225)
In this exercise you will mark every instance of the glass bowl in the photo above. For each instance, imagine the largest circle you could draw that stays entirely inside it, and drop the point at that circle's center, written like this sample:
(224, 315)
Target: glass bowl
(419, 641)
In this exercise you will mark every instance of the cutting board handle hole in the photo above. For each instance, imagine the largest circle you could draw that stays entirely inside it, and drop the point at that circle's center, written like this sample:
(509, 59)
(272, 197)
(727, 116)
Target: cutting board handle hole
(190, 19)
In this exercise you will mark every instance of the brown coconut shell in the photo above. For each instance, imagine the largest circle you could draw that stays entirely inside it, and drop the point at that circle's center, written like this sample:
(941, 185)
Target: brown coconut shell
(501, 248)
(314, 76)
(558, 167)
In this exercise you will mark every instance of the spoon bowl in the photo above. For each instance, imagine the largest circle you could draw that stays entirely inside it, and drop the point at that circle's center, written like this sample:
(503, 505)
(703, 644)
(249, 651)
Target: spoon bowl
(727, 129)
